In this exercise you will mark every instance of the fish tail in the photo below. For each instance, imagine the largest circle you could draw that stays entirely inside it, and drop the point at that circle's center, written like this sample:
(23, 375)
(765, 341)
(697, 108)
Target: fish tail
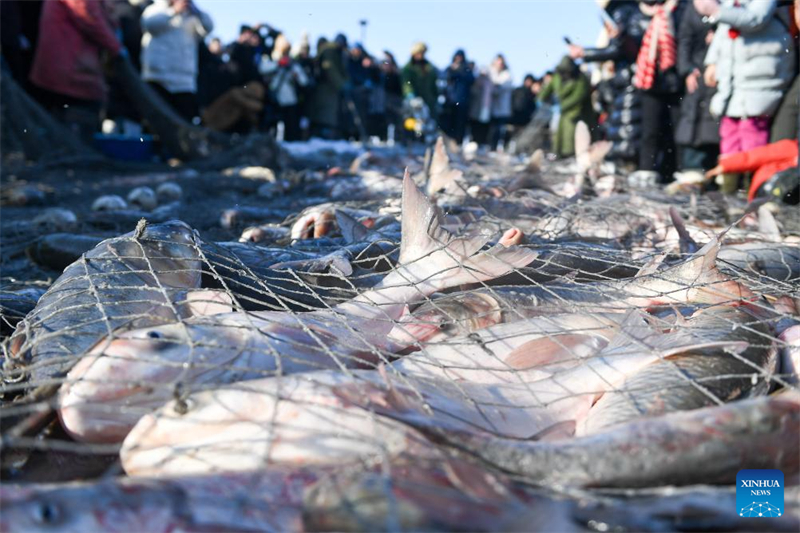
(434, 256)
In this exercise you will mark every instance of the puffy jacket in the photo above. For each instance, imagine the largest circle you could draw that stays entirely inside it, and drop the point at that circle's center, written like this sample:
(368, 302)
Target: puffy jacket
(169, 46)
(501, 92)
(284, 80)
(72, 35)
(617, 95)
(763, 161)
(419, 79)
(754, 63)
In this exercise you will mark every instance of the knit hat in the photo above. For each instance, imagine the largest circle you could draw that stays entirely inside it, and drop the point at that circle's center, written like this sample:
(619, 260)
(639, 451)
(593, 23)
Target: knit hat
(418, 48)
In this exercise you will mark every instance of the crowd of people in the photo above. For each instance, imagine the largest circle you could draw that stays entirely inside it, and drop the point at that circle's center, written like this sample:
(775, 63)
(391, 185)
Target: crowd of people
(674, 84)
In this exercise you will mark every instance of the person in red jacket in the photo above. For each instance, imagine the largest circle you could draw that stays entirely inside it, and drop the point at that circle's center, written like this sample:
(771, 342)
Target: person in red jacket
(764, 162)
(67, 69)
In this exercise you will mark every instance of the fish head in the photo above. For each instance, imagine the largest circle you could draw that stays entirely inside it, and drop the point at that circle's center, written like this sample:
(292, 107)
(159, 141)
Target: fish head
(448, 317)
(122, 378)
(73, 509)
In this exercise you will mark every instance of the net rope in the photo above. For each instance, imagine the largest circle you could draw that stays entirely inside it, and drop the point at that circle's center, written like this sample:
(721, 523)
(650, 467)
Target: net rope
(288, 364)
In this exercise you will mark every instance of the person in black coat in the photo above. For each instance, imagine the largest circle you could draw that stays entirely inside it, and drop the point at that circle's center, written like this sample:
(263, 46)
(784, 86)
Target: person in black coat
(622, 102)
(523, 102)
(455, 114)
(697, 132)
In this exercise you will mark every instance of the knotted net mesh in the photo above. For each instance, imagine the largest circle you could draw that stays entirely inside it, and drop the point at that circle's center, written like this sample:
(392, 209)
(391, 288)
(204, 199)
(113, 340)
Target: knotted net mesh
(495, 353)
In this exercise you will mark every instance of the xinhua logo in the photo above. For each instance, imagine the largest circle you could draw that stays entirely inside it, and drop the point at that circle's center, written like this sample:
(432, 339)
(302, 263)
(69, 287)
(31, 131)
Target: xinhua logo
(759, 493)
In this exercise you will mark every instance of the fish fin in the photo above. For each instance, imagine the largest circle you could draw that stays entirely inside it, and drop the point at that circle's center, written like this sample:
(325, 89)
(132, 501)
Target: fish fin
(440, 162)
(599, 151)
(583, 141)
(535, 162)
(207, 302)
(767, 224)
(440, 175)
(547, 350)
(687, 244)
(651, 267)
(355, 165)
(432, 255)
(560, 430)
(352, 230)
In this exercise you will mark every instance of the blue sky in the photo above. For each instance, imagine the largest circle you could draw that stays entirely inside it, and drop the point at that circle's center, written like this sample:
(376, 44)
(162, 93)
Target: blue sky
(529, 33)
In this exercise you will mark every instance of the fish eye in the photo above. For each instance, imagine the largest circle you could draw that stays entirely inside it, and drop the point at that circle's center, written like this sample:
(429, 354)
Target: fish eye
(153, 334)
(47, 513)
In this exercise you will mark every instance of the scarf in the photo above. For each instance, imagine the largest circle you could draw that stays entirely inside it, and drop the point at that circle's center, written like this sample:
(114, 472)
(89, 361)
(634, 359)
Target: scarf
(658, 45)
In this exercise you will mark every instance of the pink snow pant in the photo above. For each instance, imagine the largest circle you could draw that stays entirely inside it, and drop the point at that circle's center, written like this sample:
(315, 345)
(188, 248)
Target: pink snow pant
(742, 134)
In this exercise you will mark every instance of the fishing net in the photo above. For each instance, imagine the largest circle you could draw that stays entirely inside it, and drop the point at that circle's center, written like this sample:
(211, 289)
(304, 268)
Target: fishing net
(413, 369)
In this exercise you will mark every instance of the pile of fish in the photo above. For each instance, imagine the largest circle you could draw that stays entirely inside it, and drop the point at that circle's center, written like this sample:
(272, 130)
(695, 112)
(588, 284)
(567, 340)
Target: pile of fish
(460, 341)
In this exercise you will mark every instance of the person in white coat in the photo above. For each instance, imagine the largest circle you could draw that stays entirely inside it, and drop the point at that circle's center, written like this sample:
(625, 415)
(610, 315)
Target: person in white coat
(751, 61)
(172, 30)
(286, 78)
(502, 88)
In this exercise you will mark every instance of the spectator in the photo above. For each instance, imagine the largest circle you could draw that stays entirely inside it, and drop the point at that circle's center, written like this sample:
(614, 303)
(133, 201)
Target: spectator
(657, 78)
(302, 55)
(503, 86)
(571, 87)
(332, 77)
(785, 125)
(215, 47)
(419, 78)
(751, 61)
(394, 90)
(172, 31)
(356, 96)
(480, 107)
(523, 103)
(67, 68)
(225, 104)
(459, 79)
(19, 30)
(625, 26)
(244, 57)
(764, 161)
(697, 132)
(286, 80)
(374, 89)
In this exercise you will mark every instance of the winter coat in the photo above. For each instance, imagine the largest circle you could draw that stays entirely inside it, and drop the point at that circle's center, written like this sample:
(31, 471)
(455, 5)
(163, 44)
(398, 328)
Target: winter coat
(696, 126)
(332, 79)
(523, 106)
(459, 84)
(753, 67)
(617, 96)
(72, 35)
(623, 124)
(480, 103)
(501, 93)
(284, 81)
(169, 46)
(419, 79)
(574, 97)
(764, 161)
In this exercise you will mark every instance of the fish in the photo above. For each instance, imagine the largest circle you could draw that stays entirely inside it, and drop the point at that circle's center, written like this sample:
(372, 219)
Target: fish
(134, 279)
(329, 417)
(790, 356)
(264, 501)
(696, 378)
(694, 281)
(702, 446)
(142, 368)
